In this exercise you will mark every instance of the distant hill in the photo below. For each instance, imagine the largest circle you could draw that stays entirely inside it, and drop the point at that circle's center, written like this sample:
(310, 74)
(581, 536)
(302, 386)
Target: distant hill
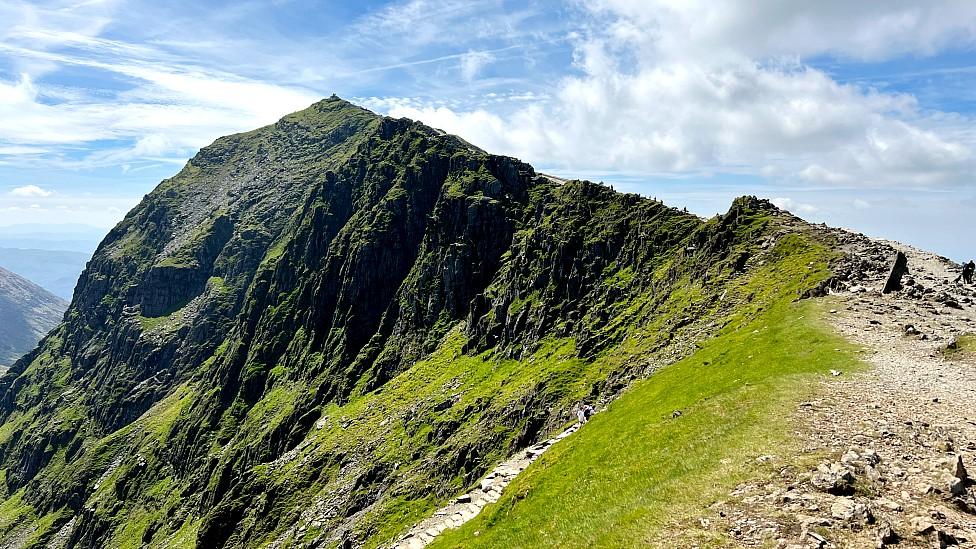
(27, 313)
(56, 271)
(71, 237)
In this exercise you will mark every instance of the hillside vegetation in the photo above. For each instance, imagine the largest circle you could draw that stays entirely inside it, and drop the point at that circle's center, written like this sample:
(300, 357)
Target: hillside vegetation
(641, 472)
(320, 330)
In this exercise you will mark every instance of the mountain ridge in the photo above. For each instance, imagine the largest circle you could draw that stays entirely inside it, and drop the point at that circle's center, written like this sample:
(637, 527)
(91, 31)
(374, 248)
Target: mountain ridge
(28, 311)
(320, 328)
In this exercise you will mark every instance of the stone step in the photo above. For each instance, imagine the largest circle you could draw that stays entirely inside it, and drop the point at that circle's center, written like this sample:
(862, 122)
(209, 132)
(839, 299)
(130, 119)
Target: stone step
(467, 506)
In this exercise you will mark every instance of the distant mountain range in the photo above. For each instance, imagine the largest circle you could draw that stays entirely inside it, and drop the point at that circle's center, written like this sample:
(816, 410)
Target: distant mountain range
(27, 313)
(64, 237)
(56, 271)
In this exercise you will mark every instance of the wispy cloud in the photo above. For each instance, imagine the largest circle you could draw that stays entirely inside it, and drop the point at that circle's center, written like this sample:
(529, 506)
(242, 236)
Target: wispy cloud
(473, 62)
(31, 191)
(475, 59)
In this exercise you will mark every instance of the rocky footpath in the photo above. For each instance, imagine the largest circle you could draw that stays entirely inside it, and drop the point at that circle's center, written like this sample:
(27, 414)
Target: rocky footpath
(884, 457)
(488, 490)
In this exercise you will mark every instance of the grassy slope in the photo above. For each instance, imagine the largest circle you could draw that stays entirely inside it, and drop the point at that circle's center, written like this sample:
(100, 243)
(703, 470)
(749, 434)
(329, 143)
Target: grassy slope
(656, 465)
(635, 472)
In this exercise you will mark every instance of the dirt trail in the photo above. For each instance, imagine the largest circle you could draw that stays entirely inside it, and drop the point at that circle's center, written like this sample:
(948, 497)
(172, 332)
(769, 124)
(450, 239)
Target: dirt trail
(879, 450)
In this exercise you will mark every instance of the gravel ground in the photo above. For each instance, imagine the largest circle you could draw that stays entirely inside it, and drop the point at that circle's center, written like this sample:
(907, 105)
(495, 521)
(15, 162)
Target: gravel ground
(877, 454)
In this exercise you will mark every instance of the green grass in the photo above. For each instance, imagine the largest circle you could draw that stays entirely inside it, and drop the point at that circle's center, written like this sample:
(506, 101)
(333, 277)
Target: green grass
(634, 470)
(963, 346)
(159, 323)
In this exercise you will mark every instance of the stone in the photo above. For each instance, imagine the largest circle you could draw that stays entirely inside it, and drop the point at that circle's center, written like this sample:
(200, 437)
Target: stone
(833, 479)
(922, 526)
(871, 473)
(863, 513)
(889, 504)
(945, 539)
(958, 469)
(820, 540)
(957, 487)
(886, 536)
(899, 268)
(842, 509)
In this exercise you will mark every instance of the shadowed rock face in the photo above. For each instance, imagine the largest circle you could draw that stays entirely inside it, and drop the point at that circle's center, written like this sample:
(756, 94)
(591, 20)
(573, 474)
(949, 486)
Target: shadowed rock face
(27, 313)
(297, 339)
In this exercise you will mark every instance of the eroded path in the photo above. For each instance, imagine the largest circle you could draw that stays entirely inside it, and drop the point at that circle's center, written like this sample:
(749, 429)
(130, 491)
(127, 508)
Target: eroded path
(467, 506)
(878, 453)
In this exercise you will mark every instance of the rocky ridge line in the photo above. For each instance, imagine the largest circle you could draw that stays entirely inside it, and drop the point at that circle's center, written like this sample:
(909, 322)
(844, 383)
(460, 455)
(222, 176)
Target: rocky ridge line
(884, 454)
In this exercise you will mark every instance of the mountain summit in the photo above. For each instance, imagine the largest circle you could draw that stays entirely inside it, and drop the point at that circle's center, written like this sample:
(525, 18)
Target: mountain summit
(321, 329)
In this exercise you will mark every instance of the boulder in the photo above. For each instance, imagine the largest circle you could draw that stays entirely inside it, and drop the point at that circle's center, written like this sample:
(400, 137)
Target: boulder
(945, 539)
(922, 526)
(842, 509)
(899, 268)
(871, 457)
(957, 487)
(958, 469)
(833, 479)
(886, 536)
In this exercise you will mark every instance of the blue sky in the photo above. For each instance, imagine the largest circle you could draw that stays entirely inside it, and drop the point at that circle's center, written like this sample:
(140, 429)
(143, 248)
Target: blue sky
(856, 115)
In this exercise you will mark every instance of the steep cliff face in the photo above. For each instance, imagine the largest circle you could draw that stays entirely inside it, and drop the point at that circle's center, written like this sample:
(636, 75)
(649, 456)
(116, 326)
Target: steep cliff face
(318, 330)
(27, 313)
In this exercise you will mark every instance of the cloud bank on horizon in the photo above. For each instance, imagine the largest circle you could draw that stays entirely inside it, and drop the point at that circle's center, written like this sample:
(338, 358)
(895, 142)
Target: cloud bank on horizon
(857, 114)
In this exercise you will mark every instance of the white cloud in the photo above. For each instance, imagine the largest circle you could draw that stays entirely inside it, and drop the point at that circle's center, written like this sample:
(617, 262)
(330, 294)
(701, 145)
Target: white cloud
(816, 173)
(167, 110)
(473, 62)
(415, 23)
(700, 29)
(741, 117)
(31, 191)
(793, 206)
(172, 113)
(693, 87)
(661, 86)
